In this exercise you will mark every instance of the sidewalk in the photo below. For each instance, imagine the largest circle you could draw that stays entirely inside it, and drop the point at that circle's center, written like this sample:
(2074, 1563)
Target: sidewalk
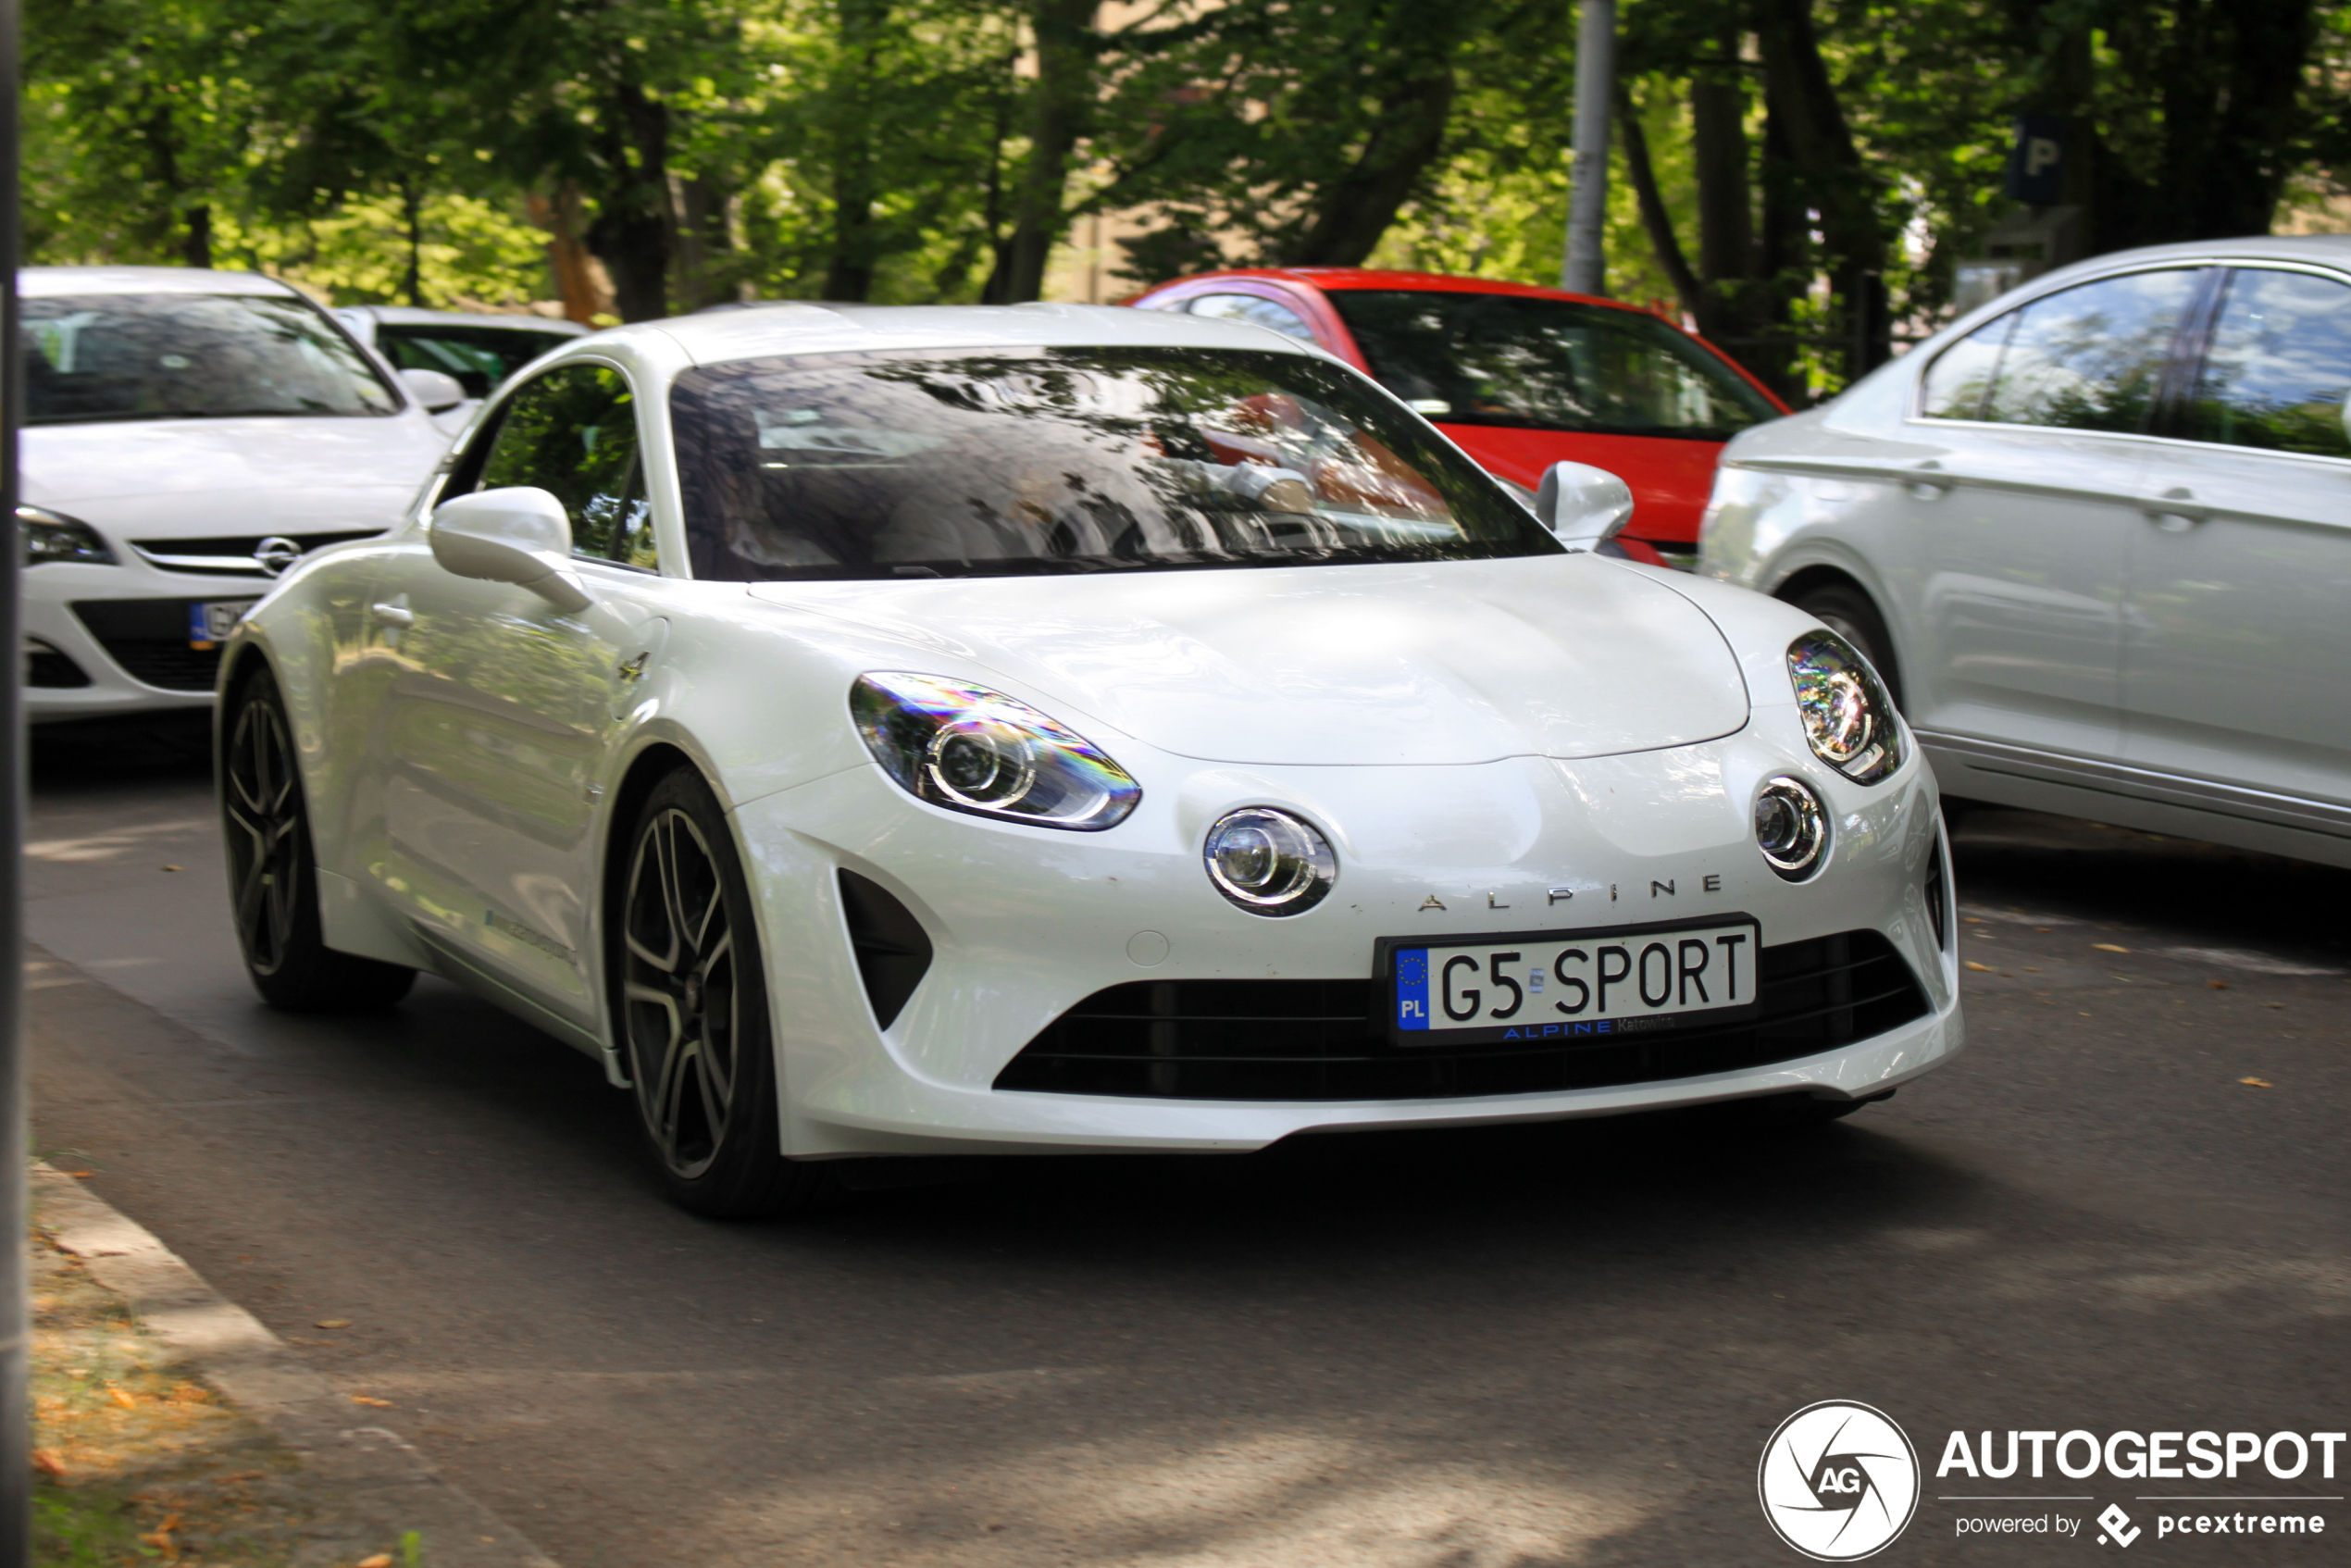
(170, 1426)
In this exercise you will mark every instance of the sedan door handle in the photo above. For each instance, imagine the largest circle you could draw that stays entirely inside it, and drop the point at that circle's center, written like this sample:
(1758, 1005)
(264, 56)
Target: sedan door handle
(393, 615)
(1928, 483)
(2177, 510)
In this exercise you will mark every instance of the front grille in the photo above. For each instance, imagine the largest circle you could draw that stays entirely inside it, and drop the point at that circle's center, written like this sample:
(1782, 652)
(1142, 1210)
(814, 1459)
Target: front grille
(1322, 1039)
(231, 554)
(149, 639)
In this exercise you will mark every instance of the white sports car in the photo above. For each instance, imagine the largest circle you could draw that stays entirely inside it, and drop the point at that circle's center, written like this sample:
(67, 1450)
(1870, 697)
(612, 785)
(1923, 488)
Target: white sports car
(876, 731)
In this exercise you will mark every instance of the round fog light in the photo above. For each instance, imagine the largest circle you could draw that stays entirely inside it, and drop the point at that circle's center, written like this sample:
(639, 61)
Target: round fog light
(1791, 827)
(1269, 862)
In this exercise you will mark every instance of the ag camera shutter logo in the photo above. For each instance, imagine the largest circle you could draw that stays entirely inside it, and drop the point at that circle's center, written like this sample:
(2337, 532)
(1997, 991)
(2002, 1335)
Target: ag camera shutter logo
(1839, 1481)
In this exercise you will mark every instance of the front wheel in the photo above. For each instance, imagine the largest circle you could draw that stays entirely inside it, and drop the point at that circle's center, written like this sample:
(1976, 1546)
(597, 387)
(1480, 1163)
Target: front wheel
(273, 874)
(692, 1014)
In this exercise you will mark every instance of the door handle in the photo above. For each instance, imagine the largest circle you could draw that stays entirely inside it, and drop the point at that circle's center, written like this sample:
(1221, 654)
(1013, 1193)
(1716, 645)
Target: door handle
(2176, 510)
(1928, 483)
(393, 615)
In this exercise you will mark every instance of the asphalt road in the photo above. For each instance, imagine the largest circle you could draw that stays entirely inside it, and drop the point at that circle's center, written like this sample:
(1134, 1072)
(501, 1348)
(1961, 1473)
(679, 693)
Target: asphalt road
(1564, 1344)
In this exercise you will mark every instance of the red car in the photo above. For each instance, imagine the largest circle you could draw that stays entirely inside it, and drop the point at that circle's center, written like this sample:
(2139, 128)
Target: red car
(1520, 376)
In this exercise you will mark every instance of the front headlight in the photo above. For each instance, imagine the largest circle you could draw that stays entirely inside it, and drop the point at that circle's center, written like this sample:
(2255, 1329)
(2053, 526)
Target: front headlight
(53, 536)
(1849, 719)
(969, 749)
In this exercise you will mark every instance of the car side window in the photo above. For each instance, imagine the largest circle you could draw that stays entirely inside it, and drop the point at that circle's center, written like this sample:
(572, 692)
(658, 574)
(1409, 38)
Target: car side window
(2278, 373)
(1255, 309)
(2086, 359)
(573, 433)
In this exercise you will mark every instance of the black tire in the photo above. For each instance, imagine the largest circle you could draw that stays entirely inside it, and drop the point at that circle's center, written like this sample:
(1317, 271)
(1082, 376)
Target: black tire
(1848, 611)
(690, 1006)
(273, 881)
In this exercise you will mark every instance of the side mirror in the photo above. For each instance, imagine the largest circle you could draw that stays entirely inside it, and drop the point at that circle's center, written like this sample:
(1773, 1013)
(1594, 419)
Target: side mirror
(520, 535)
(437, 391)
(1584, 506)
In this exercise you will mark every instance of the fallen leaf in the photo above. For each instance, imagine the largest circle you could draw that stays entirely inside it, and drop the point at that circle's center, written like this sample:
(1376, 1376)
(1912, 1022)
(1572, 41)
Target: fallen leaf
(79, 1176)
(172, 869)
(2218, 985)
(364, 1399)
(381, 1560)
(170, 1523)
(332, 1323)
(2108, 947)
(1980, 968)
(2258, 1083)
(47, 1462)
(124, 1397)
(159, 1539)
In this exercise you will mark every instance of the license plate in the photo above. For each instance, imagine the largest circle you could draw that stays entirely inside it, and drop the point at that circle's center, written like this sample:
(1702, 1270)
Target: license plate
(210, 622)
(1560, 985)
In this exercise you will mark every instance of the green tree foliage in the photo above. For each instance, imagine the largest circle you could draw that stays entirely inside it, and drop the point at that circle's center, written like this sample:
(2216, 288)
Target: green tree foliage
(1796, 176)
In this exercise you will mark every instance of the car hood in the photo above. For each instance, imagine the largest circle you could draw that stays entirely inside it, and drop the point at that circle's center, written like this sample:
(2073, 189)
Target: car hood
(1456, 662)
(188, 478)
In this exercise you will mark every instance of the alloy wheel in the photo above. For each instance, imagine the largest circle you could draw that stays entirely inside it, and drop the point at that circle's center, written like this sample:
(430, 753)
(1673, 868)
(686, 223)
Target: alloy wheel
(679, 996)
(266, 844)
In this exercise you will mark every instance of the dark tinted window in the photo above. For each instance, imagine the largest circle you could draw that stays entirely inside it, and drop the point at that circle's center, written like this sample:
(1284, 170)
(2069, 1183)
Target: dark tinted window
(1553, 365)
(479, 357)
(1255, 309)
(1040, 460)
(573, 433)
(190, 357)
(2279, 366)
(2086, 358)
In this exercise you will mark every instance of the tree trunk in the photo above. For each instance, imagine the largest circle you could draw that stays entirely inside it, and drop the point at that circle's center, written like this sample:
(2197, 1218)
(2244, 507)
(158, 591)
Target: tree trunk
(1353, 211)
(631, 233)
(850, 273)
(1834, 177)
(412, 282)
(1058, 103)
(195, 248)
(1654, 217)
(574, 270)
(1726, 223)
(1782, 263)
(698, 210)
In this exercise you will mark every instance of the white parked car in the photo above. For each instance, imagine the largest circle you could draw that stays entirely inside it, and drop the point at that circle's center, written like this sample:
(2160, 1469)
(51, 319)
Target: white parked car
(2098, 534)
(188, 435)
(481, 350)
(878, 731)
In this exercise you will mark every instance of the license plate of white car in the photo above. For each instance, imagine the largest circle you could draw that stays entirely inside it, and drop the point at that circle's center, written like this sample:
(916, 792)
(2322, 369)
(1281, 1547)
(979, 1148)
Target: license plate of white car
(211, 621)
(1570, 985)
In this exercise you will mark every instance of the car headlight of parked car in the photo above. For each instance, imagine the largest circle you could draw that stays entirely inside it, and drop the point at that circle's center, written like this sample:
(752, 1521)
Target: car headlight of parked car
(1269, 862)
(53, 536)
(1849, 719)
(969, 749)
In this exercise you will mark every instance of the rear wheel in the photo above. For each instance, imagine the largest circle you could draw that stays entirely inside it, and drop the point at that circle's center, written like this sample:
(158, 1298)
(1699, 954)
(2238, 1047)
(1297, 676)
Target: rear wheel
(273, 880)
(1846, 611)
(692, 1014)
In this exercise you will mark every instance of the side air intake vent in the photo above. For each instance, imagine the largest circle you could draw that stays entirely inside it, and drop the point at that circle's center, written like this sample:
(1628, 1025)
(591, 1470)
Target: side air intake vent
(893, 950)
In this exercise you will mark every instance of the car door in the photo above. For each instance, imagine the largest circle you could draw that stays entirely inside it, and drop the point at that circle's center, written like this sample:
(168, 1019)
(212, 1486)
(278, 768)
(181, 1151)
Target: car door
(2020, 523)
(499, 720)
(2236, 661)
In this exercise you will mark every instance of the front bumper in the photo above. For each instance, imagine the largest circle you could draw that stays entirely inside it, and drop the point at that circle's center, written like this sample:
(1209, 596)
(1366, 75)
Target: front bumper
(138, 664)
(1026, 923)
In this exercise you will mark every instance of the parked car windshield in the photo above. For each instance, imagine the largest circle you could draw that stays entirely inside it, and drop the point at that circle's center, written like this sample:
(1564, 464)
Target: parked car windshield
(1547, 364)
(92, 357)
(479, 357)
(1032, 460)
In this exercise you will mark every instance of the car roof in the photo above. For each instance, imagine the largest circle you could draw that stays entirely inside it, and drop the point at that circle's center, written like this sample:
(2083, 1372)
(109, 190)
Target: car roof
(794, 327)
(1347, 278)
(41, 282)
(2333, 249)
(408, 315)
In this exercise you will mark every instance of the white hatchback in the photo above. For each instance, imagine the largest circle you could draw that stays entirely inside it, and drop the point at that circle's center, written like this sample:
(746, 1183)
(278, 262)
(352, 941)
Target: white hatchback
(2097, 536)
(188, 436)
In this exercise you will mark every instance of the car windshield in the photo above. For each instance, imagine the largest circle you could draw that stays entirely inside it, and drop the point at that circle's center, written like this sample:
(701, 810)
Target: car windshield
(1547, 364)
(1034, 460)
(92, 358)
(479, 357)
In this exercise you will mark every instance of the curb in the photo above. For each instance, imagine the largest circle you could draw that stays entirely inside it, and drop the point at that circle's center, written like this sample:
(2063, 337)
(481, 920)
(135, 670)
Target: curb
(386, 1479)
